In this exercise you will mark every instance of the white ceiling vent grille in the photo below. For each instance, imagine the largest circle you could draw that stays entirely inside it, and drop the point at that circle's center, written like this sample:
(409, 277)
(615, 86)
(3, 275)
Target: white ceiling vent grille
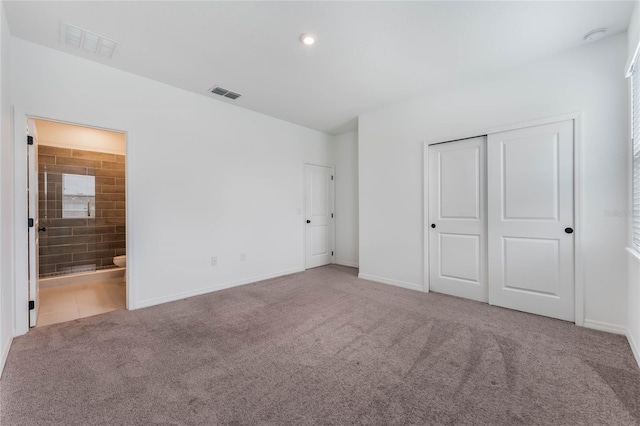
(86, 40)
(217, 90)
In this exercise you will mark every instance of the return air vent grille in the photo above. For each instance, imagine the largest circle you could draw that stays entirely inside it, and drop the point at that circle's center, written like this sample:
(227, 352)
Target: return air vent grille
(86, 40)
(217, 90)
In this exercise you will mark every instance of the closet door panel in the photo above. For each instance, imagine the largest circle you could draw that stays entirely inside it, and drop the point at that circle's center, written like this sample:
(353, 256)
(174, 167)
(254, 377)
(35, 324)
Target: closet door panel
(457, 218)
(530, 220)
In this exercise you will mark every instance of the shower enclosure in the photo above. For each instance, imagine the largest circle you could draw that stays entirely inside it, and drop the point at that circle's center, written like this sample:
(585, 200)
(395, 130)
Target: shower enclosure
(82, 210)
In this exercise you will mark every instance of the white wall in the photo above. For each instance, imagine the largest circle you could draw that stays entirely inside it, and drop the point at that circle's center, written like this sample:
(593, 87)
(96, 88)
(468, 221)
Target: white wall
(6, 194)
(346, 184)
(633, 318)
(633, 307)
(633, 34)
(589, 80)
(204, 178)
(64, 135)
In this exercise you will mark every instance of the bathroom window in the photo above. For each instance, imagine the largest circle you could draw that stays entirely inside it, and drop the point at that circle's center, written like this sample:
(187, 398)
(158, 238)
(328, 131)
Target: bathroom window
(78, 196)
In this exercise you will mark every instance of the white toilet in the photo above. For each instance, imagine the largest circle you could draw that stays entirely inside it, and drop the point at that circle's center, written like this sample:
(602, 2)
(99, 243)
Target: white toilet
(121, 261)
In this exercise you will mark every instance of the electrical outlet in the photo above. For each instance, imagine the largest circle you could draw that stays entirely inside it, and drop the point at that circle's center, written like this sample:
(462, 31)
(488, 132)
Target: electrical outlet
(243, 257)
(214, 260)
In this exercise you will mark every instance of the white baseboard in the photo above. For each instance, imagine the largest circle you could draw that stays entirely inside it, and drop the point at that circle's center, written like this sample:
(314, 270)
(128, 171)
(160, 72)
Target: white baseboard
(605, 326)
(634, 347)
(346, 263)
(211, 289)
(396, 283)
(4, 354)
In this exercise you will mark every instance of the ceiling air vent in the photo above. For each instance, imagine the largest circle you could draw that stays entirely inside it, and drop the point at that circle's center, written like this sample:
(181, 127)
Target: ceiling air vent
(86, 40)
(217, 90)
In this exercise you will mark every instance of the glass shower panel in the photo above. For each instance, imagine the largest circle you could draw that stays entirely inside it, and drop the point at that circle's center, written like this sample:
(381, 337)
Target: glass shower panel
(67, 192)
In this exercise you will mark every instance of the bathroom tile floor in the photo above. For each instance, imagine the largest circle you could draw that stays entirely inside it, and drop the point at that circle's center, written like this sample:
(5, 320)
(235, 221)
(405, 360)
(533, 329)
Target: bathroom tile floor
(69, 302)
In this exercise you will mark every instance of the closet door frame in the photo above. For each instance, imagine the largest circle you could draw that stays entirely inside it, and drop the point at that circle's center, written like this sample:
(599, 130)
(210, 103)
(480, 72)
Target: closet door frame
(577, 200)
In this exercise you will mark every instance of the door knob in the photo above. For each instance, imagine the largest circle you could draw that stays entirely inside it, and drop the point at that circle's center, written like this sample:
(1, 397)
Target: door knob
(43, 229)
(568, 230)
(433, 225)
(308, 221)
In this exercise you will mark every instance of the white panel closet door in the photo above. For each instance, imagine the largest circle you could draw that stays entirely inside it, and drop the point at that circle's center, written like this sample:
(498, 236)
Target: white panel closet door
(457, 219)
(530, 212)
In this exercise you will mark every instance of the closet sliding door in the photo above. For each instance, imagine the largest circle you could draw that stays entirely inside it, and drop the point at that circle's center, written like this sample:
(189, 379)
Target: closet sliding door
(457, 218)
(531, 219)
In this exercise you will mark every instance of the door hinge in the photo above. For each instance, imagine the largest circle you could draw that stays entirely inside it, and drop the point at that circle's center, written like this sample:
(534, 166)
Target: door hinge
(332, 215)
(30, 222)
(331, 177)
(32, 305)
(29, 140)
(331, 253)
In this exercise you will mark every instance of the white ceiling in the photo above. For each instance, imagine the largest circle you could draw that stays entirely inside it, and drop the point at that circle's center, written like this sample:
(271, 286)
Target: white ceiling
(368, 54)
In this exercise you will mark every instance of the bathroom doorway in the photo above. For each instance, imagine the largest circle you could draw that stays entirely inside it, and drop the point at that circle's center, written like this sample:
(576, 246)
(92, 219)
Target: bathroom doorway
(81, 211)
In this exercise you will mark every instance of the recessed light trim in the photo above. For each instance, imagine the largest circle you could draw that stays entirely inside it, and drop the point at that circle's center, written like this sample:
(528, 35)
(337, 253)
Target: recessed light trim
(308, 39)
(86, 40)
(594, 35)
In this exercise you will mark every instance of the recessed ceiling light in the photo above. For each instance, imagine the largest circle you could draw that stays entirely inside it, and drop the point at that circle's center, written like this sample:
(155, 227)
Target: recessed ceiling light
(86, 40)
(594, 35)
(307, 39)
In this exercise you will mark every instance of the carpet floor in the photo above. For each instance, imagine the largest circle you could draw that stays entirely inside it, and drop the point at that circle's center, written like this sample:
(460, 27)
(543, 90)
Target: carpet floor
(320, 347)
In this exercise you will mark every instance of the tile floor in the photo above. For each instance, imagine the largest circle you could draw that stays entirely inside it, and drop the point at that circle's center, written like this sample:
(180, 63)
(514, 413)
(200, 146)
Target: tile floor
(69, 302)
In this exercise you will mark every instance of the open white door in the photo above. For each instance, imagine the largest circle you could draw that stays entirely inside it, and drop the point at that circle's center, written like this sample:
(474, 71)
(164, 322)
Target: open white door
(319, 215)
(34, 223)
(531, 219)
(457, 219)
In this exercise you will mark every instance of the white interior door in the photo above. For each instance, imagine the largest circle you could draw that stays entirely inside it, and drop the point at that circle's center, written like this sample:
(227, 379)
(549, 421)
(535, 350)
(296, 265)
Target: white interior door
(457, 218)
(530, 212)
(34, 222)
(319, 215)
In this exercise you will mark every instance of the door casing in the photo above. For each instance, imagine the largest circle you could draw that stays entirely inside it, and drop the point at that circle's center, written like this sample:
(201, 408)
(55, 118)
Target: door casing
(20, 233)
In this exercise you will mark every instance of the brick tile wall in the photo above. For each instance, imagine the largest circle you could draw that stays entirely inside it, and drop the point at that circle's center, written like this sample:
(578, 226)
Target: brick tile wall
(69, 245)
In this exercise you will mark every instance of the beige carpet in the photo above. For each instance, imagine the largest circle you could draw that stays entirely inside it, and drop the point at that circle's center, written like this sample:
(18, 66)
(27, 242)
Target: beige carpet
(319, 347)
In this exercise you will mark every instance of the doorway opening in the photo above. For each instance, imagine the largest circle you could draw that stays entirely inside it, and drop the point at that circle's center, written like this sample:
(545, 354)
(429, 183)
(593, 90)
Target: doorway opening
(77, 200)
